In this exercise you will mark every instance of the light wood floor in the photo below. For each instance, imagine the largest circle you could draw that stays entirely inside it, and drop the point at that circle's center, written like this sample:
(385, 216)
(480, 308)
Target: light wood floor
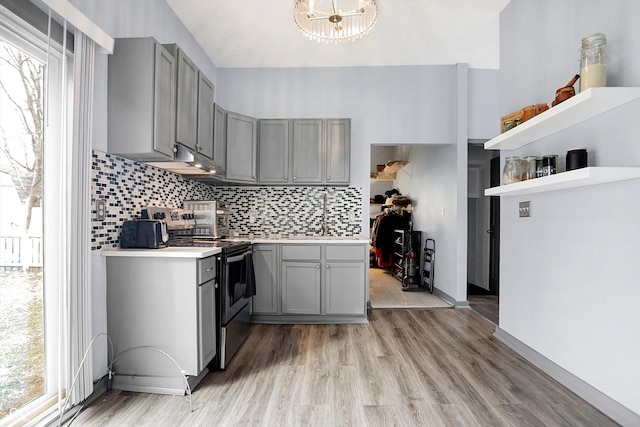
(405, 368)
(386, 292)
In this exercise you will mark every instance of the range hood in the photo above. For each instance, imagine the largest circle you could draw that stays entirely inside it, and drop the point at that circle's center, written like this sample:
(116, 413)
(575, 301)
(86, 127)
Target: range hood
(187, 161)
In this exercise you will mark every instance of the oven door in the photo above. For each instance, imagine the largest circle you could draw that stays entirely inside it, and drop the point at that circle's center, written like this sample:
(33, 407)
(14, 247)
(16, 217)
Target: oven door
(233, 285)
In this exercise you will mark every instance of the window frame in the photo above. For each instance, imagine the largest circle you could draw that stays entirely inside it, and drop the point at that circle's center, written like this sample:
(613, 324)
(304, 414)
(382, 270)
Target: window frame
(55, 201)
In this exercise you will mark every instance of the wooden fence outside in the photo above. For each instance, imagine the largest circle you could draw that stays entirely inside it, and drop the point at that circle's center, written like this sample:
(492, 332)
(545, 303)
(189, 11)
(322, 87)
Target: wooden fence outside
(20, 252)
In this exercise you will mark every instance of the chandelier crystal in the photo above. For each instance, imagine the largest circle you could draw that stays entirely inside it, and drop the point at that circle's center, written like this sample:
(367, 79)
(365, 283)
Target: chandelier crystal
(325, 21)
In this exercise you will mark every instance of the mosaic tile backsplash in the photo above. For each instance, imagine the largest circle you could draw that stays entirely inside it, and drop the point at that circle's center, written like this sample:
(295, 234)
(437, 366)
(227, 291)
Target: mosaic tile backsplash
(127, 186)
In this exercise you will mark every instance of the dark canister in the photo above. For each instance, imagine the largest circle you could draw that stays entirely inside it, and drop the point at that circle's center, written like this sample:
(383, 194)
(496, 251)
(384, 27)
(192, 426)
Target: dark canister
(576, 159)
(549, 164)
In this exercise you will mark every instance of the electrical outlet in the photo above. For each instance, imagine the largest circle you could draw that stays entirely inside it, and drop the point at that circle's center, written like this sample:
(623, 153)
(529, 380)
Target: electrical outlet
(524, 209)
(101, 209)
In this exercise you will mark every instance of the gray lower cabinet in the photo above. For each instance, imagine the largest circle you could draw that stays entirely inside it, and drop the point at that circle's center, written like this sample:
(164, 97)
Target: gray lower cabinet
(345, 279)
(265, 264)
(311, 282)
(241, 148)
(300, 287)
(344, 287)
(206, 320)
(157, 307)
(141, 100)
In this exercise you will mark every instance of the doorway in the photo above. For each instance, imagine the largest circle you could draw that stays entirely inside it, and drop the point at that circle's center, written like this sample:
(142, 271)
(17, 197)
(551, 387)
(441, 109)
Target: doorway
(385, 289)
(483, 233)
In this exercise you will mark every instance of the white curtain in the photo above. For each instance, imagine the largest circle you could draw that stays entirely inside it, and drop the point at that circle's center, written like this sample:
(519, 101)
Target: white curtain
(79, 185)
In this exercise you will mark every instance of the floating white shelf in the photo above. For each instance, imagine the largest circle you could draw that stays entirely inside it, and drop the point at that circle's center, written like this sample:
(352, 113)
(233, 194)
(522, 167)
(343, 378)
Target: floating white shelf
(574, 110)
(575, 178)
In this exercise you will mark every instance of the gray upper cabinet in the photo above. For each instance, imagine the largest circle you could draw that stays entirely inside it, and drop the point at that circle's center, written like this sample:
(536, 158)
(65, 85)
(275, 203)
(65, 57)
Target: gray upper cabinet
(195, 111)
(307, 151)
(187, 101)
(274, 147)
(220, 136)
(141, 100)
(241, 148)
(337, 152)
(304, 151)
(205, 135)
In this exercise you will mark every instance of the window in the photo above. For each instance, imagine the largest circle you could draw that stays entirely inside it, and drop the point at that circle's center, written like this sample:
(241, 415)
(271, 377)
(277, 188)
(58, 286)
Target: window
(32, 143)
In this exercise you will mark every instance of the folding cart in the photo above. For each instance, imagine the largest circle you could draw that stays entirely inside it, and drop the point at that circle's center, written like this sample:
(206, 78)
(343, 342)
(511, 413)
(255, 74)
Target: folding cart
(428, 264)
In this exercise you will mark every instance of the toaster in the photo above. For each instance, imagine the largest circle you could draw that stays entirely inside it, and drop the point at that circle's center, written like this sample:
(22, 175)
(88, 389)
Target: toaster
(144, 233)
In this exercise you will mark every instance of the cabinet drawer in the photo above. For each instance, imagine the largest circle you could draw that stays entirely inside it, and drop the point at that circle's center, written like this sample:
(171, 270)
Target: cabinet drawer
(344, 252)
(206, 269)
(306, 252)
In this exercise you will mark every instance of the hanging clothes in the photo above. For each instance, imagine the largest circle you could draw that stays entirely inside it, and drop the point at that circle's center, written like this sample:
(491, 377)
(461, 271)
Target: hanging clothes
(382, 234)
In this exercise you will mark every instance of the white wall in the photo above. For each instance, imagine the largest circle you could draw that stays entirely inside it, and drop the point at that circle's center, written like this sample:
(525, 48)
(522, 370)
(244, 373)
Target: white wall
(569, 282)
(484, 103)
(429, 180)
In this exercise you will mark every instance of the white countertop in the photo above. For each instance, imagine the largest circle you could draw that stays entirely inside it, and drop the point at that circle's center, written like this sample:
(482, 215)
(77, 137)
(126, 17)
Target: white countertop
(303, 239)
(170, 252)
(203, 252)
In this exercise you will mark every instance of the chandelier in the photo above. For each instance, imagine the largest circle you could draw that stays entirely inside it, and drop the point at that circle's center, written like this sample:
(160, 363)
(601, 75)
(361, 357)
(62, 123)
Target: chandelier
(324, 21)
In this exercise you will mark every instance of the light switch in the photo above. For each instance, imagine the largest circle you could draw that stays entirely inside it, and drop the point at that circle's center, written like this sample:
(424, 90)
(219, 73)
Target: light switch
(524, 209)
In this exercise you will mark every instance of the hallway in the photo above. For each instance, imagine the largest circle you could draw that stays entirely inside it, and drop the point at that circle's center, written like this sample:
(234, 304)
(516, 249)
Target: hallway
(386, 292)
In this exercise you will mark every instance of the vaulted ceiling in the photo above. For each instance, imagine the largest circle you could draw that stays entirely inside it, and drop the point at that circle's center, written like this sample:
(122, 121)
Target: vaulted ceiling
(262, 33)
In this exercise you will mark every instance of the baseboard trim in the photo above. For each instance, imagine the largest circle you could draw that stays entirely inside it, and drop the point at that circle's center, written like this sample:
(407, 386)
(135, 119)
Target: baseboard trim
(611, 408)
(450, 300)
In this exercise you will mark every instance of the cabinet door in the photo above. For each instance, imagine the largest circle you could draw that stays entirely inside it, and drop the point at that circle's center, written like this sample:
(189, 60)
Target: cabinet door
(345, 288)
(187, 101)
(338, 151)
(206, 324)
(301, 288)
(220, 136)
(265, 264)
(241, 148)
(205, 116)
(164, 102)
(141, 100)
(273, 152)
(306, 152)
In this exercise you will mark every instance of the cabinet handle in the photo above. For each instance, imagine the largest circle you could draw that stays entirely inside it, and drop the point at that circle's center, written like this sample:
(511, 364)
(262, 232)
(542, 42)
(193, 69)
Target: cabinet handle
(209, 269)
(328, 266)
(318, 266)
(294, 178)
(328, 178)
(285, 177)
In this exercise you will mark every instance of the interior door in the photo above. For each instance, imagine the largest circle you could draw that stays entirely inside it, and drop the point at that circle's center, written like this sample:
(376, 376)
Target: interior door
(494, 230)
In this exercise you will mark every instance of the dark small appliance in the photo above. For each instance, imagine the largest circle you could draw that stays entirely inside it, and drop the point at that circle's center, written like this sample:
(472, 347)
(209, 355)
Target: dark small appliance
(147, 234)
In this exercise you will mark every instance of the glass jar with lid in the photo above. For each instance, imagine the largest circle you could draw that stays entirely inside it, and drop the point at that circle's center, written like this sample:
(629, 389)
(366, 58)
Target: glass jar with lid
(593, 62)
(512, 171)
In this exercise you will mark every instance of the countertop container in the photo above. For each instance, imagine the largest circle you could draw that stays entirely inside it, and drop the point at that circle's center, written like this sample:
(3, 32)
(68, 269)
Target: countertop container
(576, 159)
